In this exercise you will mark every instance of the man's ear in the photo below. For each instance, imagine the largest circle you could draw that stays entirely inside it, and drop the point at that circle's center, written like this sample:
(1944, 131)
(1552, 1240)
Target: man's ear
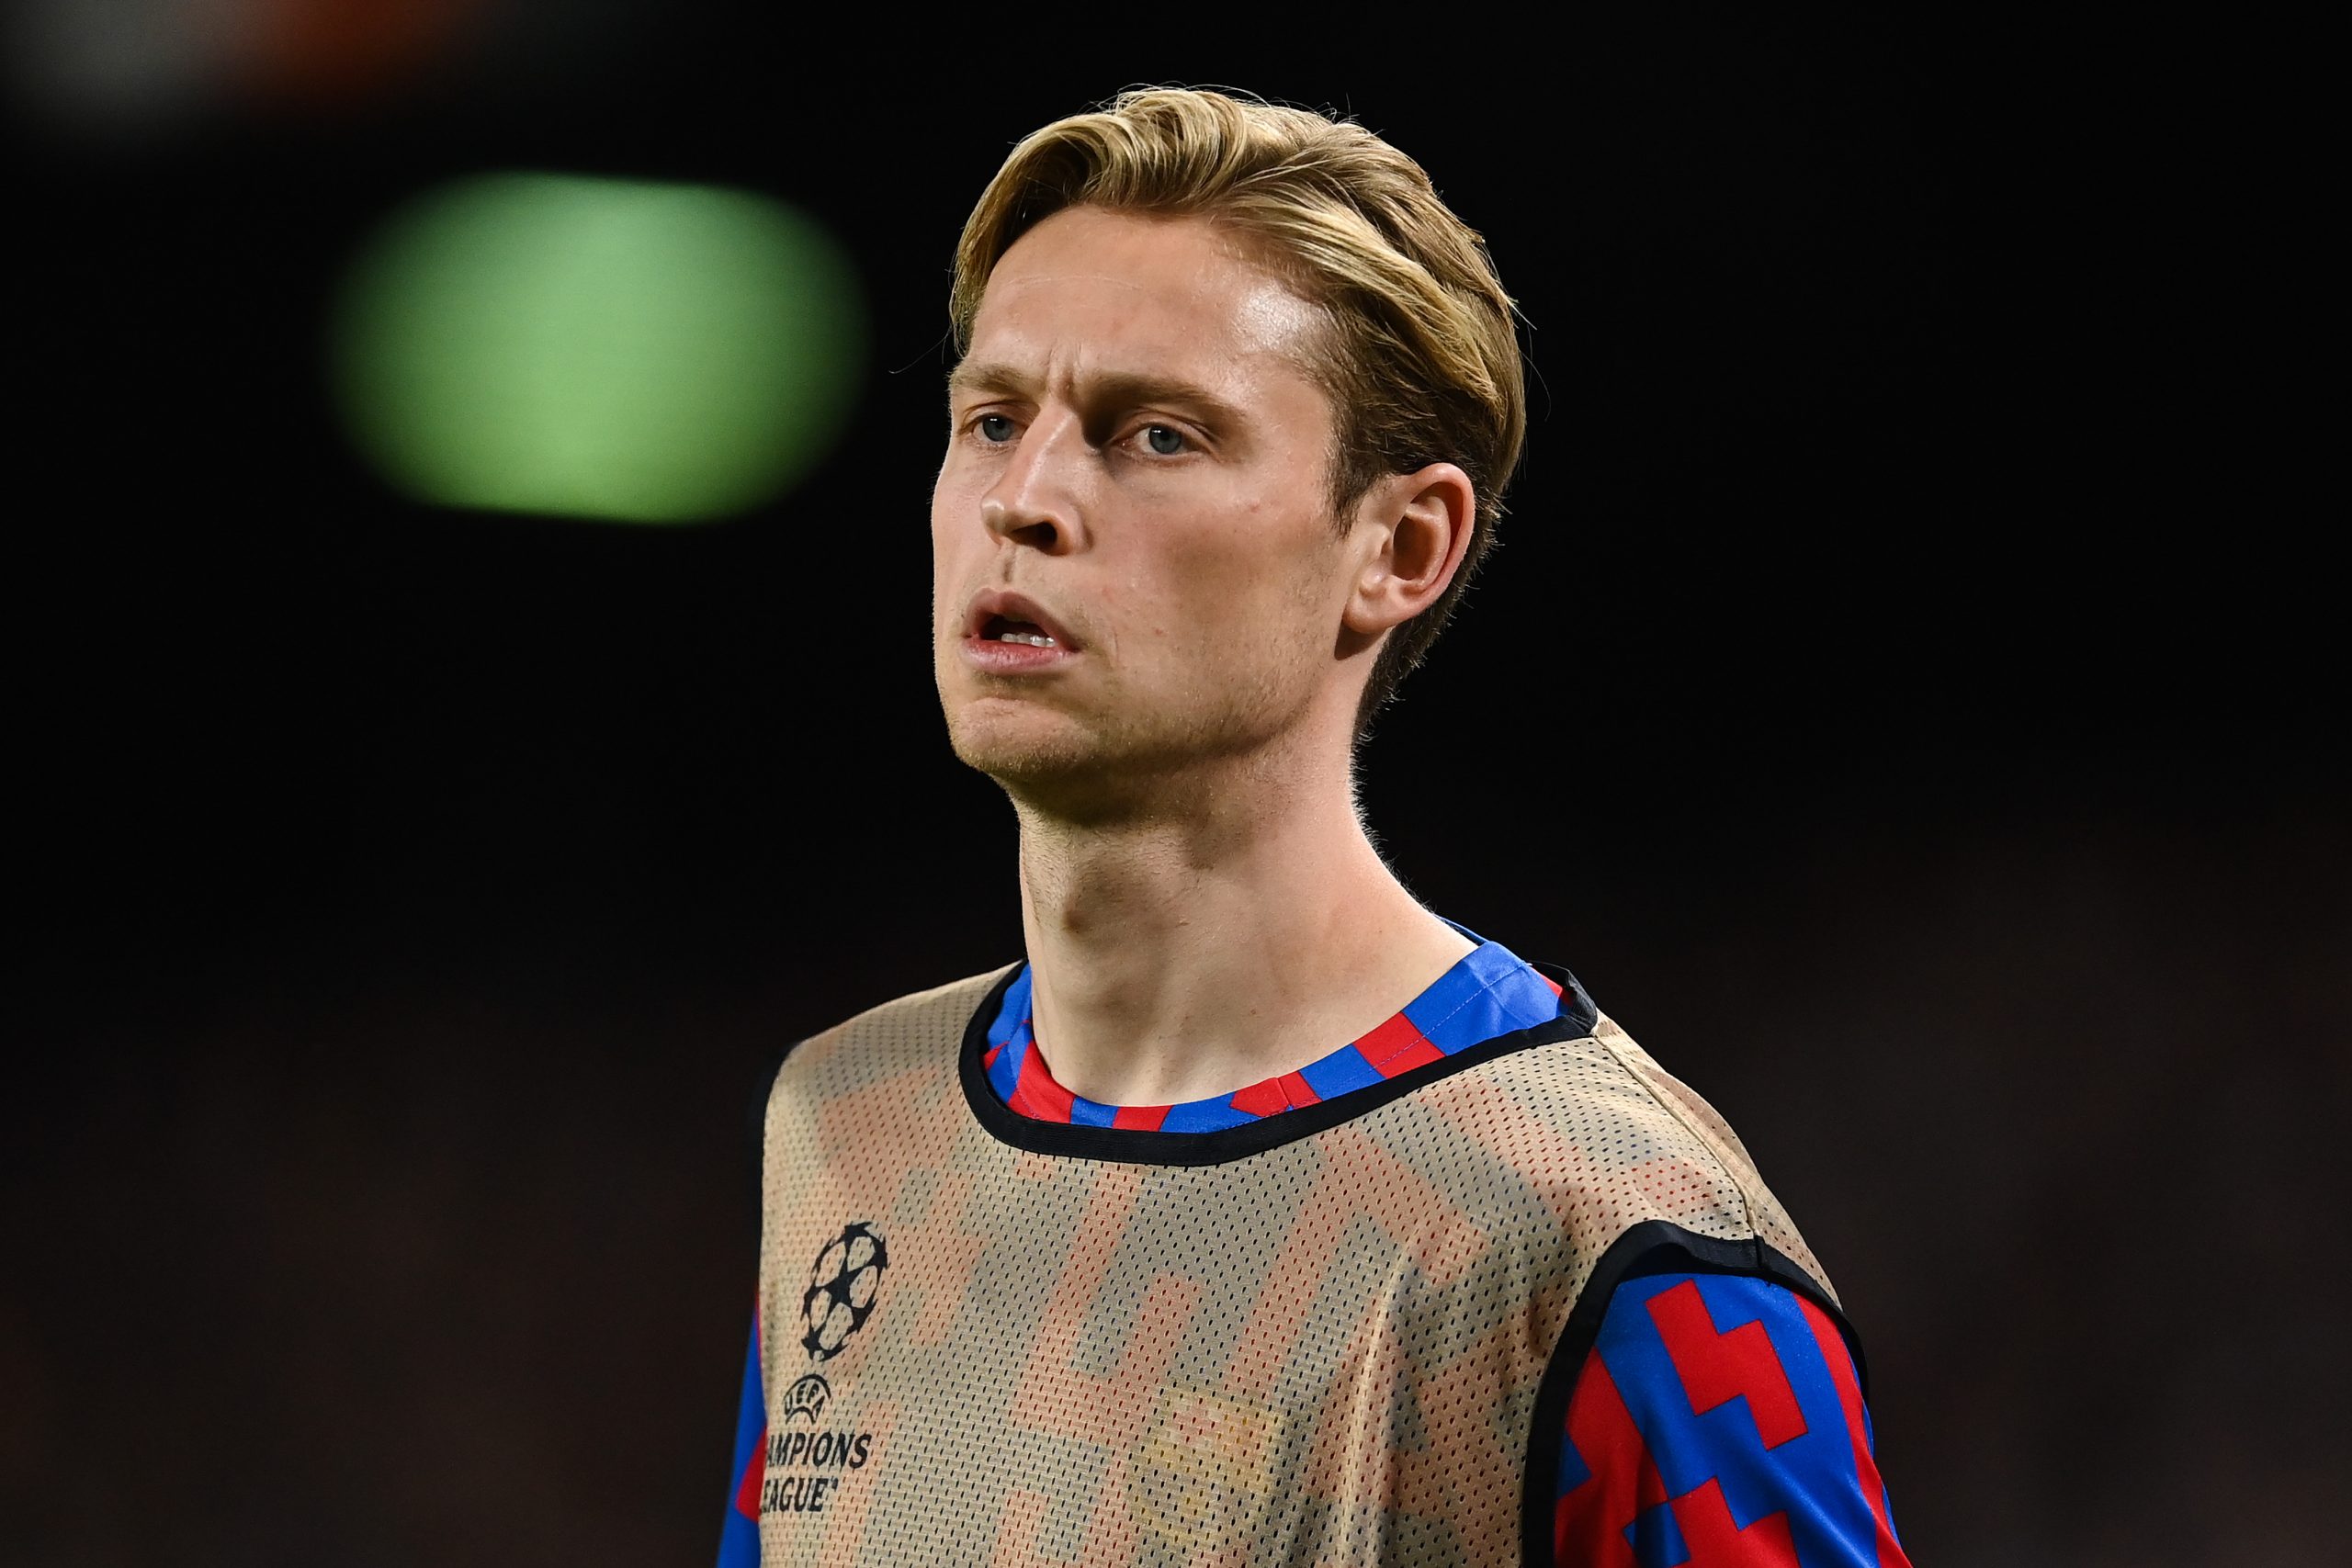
(1415, 528)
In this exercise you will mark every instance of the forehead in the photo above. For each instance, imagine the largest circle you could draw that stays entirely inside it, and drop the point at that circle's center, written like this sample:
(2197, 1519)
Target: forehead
(1093, 290)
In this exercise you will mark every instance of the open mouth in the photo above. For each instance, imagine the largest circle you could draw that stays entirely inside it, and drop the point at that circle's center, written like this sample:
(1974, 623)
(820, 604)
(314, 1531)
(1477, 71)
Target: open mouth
(1003, 629)
(1010, 631)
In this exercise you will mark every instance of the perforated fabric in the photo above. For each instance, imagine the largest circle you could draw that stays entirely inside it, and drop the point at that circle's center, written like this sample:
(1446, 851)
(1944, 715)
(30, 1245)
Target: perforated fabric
(982, 1354)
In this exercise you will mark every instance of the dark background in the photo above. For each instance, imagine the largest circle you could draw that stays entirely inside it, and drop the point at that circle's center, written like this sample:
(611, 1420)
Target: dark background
(1907, 694)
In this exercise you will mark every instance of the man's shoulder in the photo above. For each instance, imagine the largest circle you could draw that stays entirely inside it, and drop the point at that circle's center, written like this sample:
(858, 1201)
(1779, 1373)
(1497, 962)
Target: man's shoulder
(1598, 1081)
(920, 1025)
(1621, 1146)
(1605, 1136)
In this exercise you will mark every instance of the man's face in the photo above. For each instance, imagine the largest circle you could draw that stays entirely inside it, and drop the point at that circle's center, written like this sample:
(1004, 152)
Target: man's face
(1137, 467)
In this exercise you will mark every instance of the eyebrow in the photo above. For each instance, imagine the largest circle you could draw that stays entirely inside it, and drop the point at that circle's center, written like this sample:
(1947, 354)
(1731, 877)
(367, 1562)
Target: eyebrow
(1115, 386)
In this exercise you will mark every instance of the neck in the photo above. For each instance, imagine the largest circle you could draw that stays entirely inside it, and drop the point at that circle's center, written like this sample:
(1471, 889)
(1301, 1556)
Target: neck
(1184, 952)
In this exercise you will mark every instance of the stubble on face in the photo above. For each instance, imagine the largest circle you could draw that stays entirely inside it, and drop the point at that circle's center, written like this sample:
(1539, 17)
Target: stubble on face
(1206, 596)
(1126, 754)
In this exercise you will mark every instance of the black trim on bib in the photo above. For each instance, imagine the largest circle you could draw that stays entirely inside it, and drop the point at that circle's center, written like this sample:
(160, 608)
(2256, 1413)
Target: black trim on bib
(1653, 1246)
(1136, 1145)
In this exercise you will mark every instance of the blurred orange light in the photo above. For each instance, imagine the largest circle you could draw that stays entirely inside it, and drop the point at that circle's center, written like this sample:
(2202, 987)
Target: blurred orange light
(327, 50)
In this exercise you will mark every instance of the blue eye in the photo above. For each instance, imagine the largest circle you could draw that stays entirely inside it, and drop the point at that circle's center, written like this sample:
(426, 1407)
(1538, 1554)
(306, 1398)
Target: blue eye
(1162, 440)
(995, 427)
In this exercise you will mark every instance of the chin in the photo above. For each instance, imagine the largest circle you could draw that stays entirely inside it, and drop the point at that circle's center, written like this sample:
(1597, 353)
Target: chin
(1084, 778)
(1048, 763)
(1012, 741)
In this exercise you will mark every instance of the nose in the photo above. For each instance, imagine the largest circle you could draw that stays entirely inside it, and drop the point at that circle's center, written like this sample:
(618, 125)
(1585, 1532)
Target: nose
(1036, 498)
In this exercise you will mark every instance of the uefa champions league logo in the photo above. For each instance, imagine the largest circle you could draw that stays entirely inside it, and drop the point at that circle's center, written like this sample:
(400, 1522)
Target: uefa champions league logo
(807, 1467)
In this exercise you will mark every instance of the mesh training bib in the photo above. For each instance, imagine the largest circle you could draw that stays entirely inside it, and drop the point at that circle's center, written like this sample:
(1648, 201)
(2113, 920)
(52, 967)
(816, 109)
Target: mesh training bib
(1318, 1339)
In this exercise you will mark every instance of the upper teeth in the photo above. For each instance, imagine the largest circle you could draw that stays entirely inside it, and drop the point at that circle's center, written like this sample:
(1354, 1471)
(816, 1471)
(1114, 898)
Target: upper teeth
(1035, 639)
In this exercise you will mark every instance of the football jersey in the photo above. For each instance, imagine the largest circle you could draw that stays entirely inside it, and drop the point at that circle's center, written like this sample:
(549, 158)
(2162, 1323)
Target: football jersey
(1714, 1415)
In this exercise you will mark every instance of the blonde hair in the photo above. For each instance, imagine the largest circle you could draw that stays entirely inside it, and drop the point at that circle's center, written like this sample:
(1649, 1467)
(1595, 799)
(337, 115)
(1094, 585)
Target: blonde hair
(1422, 362)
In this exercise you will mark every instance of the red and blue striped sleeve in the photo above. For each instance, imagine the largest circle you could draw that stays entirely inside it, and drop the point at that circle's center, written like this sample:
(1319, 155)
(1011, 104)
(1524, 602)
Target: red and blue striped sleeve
(738, 1541)
(1717, 1421)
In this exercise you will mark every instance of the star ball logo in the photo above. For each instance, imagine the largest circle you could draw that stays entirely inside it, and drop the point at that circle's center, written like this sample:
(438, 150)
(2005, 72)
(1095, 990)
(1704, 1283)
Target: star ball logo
(843, 1283)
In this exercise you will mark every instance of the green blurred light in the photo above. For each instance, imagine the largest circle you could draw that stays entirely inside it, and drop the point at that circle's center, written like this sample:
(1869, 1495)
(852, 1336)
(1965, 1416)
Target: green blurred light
(598, 349)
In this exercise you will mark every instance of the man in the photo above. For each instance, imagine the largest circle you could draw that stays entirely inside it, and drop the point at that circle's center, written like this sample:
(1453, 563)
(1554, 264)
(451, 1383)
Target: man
(1260, 1215)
